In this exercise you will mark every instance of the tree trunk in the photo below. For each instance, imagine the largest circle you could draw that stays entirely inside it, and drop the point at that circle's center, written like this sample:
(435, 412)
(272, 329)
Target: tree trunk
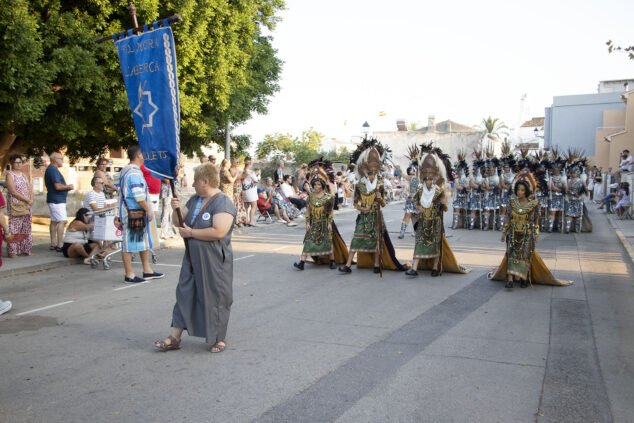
(8, 146)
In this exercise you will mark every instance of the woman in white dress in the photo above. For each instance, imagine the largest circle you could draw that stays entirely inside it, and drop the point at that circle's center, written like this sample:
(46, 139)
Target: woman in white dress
(250, 190)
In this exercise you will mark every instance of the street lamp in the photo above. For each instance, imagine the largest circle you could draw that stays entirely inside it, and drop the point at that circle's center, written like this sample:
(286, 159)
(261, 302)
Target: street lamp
(366, 130)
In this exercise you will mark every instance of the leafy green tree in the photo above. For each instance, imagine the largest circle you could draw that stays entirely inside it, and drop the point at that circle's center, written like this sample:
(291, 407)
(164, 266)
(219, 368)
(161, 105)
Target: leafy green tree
(303, 149)
(628, 50)
(494, 127)
(71, 91)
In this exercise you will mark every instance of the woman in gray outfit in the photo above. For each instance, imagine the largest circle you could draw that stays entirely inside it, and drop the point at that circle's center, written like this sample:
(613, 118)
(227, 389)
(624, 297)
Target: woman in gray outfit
(205, 287)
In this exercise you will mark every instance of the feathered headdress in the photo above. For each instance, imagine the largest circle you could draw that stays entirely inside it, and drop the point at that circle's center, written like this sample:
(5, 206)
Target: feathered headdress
(526, 161)
(369, 155)
(433, 163)
(462, 162)
(534, 181)
(508, 158)
(321, 170)
(575, 160)
(412, 155)
(478, 162)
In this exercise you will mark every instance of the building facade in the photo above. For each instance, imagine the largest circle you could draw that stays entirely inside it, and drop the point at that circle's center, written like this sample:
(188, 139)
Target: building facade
(450, 136)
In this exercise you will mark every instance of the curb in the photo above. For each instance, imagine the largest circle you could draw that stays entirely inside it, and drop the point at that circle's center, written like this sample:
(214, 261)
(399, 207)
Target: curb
(626, 245)
(36, 268)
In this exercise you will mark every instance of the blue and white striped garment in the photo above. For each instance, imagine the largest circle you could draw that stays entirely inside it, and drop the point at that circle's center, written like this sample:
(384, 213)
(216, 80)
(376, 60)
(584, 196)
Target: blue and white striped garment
(131, 182)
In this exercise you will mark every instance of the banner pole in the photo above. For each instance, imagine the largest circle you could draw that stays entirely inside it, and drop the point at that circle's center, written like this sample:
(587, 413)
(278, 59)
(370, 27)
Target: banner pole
(179, 214)
(133, 13)
(172, 19)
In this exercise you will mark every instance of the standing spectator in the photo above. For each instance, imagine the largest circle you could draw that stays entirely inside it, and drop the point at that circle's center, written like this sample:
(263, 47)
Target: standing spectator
(154, 188)
(203, 159)
(136, 216)
(226, 179)
(289, 193)
(250, 190)
(4, 305)
(238, 202)
(299, 177)
(20, 201)
(57, 191)
(279, 172)
(165, 210)
(204, 293)
(212, 159)
(109, 190)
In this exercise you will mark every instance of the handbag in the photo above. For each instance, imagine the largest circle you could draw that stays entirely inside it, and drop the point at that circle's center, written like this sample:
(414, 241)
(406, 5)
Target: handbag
(19, 208)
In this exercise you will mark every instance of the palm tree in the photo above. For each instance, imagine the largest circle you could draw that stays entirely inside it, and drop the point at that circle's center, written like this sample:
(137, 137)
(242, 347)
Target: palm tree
(494, 127)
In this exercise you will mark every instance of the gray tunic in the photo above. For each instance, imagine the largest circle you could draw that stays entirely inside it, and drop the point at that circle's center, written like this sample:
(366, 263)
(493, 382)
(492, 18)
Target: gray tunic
(203, 300)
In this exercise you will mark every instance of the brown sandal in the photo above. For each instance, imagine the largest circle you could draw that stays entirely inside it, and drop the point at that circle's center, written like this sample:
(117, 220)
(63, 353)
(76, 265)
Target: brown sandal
(219, 346)
(174, 344)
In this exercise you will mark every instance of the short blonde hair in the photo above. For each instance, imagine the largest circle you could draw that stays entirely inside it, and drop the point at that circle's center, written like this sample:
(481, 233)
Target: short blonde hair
(209, 172)
(223, 163)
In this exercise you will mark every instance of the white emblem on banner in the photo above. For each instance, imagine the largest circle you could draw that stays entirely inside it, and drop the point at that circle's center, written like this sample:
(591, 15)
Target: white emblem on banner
(138, 110)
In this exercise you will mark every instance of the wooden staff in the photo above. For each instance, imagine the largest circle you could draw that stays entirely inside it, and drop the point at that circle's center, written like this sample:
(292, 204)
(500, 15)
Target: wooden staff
(379, 240)
(136, 30)
(181, 222)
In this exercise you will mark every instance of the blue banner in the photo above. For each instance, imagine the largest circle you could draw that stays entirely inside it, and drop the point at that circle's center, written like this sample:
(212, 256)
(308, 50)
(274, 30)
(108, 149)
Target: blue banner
(148, 64)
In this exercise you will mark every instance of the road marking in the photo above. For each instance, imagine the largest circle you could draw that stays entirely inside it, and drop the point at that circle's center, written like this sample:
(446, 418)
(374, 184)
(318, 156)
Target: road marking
(45, 308)
(130, 286)
(281, 248)
(240, 258)
(153, 264)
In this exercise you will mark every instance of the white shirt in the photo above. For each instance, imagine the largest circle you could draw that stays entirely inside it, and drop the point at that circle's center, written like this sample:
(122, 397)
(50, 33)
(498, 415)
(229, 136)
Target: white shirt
(626, 164)
(94, 197)
(287, 190)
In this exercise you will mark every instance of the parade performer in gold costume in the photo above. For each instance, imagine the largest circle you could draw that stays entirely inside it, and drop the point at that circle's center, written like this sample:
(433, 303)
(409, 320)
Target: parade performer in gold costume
(322, 241)
(432, 250)
(371, 240)
(521, 232)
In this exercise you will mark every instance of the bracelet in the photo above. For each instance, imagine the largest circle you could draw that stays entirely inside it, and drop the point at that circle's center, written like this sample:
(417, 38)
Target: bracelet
(191, 232)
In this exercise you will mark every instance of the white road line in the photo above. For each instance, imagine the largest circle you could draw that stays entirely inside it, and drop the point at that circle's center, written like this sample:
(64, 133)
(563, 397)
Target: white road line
(45, 308)
(281, 248)
(153, 264)
(240, 258)
(130, 286)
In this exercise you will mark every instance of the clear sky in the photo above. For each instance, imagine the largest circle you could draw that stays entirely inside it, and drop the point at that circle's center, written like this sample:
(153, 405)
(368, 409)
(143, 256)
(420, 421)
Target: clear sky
(346, 61)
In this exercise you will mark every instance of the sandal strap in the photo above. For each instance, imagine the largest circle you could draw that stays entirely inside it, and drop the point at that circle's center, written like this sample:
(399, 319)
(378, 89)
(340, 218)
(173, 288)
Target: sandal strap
(175, 342)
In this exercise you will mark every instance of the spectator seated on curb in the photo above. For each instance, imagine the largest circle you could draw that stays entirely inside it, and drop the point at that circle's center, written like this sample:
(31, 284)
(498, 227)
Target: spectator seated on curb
(267, 208)
(609, 199)
(622, 199)
(290, 195)
(76, 243)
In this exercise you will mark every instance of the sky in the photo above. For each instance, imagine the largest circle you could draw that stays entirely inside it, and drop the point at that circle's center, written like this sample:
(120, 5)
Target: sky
(347, 61)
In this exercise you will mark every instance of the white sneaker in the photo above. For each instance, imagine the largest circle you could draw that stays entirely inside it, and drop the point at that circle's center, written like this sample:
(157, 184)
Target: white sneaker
(5, 306)
(291, 224)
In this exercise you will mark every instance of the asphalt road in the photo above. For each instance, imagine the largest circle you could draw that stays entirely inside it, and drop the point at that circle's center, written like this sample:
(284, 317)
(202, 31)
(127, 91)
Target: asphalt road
(323, 347)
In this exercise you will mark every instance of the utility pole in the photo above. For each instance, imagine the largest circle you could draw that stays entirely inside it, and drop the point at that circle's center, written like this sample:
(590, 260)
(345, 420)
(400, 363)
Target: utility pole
(227, 142)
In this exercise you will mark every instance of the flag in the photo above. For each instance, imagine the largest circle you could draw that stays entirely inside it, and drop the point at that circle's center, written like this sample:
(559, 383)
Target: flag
(148, 65)
(381, 113)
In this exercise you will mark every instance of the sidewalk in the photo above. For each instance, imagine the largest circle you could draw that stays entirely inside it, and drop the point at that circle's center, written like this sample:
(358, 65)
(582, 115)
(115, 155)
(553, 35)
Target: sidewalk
(625, 232)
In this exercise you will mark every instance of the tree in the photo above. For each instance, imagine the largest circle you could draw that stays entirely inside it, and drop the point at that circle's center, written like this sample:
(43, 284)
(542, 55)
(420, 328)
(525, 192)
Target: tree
(494, 127)
(303, 149)
(629, 50)
(70, 91)
(413, 126)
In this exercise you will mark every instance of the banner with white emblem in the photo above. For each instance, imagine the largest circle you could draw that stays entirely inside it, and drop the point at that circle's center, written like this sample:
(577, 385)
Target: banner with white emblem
(148, 64)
